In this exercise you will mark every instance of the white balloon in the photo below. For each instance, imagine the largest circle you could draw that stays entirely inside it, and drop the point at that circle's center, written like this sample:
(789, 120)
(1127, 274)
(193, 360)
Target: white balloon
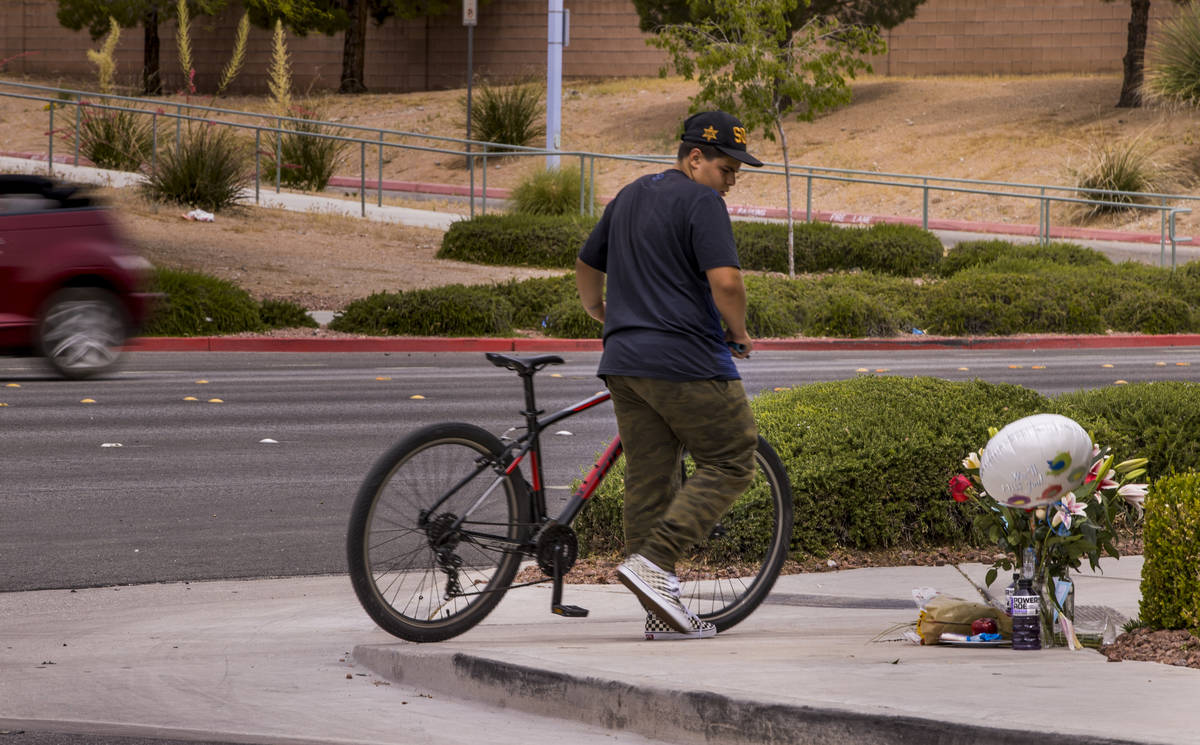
(1035, 461)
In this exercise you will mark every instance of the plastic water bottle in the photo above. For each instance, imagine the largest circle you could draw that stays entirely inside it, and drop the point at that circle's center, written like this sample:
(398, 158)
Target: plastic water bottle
(1026, 625)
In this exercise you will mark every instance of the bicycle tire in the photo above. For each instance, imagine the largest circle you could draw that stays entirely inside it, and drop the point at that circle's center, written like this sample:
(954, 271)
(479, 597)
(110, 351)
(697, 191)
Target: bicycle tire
(724, 578)
(403, 583)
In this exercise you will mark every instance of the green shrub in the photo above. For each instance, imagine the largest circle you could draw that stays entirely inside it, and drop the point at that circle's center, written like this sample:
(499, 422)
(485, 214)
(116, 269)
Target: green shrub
(1116, 166)
(206, 169)
(977, 302)
(551, 192)
(118, 139)
(200, 305)
(532, 299)
(307, 161)
(1173, 64)
(1159, 421)
(1171, 572)
(1148, 311)
(902, 250)
(771, 307)
(849, 314)
(970, 254)
(569, 320)
(285, 314)
(452, 310)
(550, 241)
(508, 115)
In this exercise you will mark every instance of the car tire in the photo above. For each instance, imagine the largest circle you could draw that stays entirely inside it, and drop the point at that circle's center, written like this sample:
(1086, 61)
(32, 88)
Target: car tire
(81, 331)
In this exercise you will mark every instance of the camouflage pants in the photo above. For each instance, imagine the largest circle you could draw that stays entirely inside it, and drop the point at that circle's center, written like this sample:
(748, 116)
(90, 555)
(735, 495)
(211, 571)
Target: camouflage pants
(657, 419)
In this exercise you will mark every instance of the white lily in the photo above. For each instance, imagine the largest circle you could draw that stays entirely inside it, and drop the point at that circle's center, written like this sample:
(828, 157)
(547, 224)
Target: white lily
(971, 462)
(1134, 494)
(1068, 507)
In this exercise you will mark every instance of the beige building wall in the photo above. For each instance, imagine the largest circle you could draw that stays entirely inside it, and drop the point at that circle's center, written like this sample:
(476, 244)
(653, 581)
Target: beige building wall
(976, 37)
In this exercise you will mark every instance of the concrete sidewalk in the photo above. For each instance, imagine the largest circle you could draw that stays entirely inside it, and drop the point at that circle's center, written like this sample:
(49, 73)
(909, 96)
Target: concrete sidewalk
(820, 662)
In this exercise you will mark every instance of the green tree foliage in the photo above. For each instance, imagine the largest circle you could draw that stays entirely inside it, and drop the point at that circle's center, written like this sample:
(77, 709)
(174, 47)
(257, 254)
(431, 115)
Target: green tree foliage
(94, 16)
(884, 14)
(751, 61)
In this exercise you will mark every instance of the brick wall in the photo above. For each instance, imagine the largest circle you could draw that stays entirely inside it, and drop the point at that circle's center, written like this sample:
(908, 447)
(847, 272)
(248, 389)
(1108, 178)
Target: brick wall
(946, 37)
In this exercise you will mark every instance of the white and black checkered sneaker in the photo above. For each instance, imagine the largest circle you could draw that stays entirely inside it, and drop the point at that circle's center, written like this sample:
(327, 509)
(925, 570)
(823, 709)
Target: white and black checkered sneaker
(656, 630)
(658, 591)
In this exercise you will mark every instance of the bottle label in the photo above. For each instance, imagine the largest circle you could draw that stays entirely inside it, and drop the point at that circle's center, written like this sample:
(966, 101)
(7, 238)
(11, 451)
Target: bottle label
(1024, 605)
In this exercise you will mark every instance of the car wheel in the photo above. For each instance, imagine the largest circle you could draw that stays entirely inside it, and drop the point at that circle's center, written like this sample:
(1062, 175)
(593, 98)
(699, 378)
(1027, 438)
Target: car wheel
(82, 330)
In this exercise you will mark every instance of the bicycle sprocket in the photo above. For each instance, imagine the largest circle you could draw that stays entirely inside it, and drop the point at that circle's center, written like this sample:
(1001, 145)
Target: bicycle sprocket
(557, 541)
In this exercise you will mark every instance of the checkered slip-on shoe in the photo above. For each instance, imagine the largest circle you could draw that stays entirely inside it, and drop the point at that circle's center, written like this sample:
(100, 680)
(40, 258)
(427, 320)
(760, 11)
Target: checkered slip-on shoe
(656, 630)
(658, 591)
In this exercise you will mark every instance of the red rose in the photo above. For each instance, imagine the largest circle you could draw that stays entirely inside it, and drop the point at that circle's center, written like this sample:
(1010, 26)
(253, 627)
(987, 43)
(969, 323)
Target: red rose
(959, 486)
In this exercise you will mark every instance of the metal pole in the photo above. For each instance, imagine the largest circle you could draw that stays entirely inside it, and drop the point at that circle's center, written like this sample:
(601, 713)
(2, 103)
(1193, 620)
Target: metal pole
(808, 198)
(50, 146)
(362, 177)
(925, 203)
(470, 18)
(554, 47)
(483, 204)
(78, 108)
(257, 162)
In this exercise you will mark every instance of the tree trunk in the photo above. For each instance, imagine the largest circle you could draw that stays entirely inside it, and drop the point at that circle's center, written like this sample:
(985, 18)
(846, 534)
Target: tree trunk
(354, 48)
(1135, 54)
(787, 187)
(151, 70)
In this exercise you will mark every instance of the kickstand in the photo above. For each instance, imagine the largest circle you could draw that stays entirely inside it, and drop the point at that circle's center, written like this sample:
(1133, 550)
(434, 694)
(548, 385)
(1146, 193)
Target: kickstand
(556, 606)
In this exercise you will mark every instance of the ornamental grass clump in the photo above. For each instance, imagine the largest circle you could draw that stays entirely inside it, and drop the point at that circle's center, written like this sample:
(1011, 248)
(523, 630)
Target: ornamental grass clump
(206, 169)
(507, 115)
(1172, 70)
(1124, 167)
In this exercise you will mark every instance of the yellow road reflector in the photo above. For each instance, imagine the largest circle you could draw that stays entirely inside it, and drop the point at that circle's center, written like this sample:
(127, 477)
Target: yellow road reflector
(963, 369)
(383, 377)
(87, 401)
(12, 385)
(201, 382)
(1160, 364)
(3, 404)
(862, 369)
(1182, 364)
(417, 397)
(1015, 367)
(1107, 364)
(215, 401)
(782, 388)
(556, 375)
(1039, 367)
(190, 398)
(1120, 382)
(881, 369)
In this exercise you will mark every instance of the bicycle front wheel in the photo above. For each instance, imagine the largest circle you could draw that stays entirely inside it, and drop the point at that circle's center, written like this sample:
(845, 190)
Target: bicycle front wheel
(433, 536)
(724, 578)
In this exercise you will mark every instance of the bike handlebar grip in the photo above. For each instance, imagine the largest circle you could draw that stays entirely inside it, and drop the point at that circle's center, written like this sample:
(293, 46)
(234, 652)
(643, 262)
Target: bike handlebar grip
(736, 346)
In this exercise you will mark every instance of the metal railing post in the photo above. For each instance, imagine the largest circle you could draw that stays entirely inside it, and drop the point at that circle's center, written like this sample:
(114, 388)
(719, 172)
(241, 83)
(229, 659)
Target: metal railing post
(1162, 234)
(592, 187)
(471, 181)
(1043, 219)
(362, 178)
(278, 153)
(808, 216)
(483, 197)
(50, 146)
(582, 187)
(925, 204)
(154, 143)
(380, 190)
(257, 161)
(77, 117)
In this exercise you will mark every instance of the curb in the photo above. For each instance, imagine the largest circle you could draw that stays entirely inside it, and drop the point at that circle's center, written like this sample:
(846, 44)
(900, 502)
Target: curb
(671, 715)
(544, 345)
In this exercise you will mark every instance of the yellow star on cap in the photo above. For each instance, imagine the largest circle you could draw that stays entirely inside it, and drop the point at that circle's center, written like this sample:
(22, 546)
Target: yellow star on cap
(710, 133)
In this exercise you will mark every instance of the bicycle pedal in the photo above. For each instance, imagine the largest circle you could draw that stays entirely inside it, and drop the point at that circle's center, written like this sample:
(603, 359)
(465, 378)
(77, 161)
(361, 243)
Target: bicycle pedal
(569, 611)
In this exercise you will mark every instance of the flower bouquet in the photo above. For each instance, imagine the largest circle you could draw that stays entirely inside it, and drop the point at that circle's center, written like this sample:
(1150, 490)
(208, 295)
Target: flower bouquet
(1061, 526)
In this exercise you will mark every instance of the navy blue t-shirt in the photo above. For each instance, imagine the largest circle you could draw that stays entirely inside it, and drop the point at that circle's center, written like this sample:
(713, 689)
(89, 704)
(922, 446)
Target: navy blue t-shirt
(655, 242)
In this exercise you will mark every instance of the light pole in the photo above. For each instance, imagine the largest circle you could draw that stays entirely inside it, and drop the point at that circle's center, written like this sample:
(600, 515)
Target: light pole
(556, 27)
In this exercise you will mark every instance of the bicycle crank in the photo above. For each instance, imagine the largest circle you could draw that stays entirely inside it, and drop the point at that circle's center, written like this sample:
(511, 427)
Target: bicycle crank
(557, 549)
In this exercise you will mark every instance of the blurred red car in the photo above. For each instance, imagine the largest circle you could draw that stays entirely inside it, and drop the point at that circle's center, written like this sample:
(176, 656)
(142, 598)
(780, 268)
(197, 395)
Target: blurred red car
(71, 290)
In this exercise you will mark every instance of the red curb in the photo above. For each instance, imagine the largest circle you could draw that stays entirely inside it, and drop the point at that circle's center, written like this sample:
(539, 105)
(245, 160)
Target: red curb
(525, 345)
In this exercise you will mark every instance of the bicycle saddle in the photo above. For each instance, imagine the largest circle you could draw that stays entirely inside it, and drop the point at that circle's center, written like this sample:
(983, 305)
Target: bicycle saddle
(524, 365)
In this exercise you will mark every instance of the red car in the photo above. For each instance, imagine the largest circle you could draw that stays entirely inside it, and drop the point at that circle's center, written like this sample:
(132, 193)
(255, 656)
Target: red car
(71, 290)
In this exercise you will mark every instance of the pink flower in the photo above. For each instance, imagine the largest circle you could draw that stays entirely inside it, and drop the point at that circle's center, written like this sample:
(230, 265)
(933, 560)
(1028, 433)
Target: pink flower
(1068, 507)
(959, 485)
(1134, 494)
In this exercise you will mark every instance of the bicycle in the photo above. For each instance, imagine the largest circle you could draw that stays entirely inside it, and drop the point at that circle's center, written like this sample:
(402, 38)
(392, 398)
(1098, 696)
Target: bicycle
(445, 518)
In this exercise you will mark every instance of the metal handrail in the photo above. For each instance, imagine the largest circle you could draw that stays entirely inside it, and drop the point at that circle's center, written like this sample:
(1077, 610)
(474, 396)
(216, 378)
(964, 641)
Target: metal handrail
(473, 150)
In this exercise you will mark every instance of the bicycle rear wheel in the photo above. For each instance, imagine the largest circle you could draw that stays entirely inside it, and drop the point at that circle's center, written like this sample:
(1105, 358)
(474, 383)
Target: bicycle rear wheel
(724, 578)
(426, 569)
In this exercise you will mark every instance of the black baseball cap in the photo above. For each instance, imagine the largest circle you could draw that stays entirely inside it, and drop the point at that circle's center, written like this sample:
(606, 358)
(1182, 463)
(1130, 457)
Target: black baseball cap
(723, 131)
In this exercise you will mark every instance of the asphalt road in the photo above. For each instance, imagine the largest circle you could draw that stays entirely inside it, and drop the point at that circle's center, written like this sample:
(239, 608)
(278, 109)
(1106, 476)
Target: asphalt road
(145, 485)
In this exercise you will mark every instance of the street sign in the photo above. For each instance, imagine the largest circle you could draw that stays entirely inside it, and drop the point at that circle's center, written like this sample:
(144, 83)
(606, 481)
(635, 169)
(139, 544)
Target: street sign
(470, 12)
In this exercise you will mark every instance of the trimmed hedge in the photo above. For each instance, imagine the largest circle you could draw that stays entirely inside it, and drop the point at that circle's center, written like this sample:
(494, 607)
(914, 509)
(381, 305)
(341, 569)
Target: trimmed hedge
(200, 305)
(453, 310)
(970, 254)
(553, 241)
(1171, 572)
